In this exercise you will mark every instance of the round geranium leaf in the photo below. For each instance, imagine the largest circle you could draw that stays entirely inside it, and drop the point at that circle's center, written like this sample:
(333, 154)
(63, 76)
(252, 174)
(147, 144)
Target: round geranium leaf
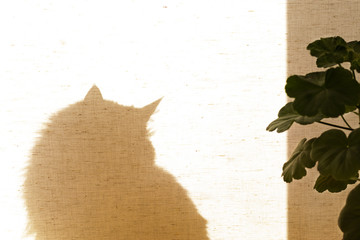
(350, 109)
(337, 155)
(324, 183)
(349, 219)
(329, 51)
(300, 159)
(354, 46)
(326, 93)
(354, 55)
(287, 116)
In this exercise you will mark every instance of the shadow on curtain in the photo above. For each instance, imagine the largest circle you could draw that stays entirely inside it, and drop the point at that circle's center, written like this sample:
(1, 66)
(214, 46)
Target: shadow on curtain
(92, 176)
(313, 215)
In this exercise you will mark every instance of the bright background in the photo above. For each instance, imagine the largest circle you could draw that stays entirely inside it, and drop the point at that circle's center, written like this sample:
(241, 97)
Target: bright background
(220, 66)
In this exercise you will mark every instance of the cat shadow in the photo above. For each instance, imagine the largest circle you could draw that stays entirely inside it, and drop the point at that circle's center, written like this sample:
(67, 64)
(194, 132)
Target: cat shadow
(92, 175)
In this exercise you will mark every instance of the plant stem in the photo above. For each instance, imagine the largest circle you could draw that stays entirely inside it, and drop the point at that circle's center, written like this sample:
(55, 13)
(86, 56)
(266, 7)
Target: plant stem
(358, 107)
(353, 72)
(334, 125)
(346, 122)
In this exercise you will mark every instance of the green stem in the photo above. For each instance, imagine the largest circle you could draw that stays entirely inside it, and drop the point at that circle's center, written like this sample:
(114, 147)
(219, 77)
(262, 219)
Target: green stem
(353, 72)
(346, 122)
(358, 107)
(333, 125)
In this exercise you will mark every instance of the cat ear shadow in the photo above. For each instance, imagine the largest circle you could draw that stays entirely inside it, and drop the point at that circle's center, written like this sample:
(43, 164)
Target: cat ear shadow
(150, 108)
(93, 95)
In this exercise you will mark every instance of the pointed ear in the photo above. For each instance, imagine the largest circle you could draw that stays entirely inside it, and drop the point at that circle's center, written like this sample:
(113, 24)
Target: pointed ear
(93, 95)
(148, 110)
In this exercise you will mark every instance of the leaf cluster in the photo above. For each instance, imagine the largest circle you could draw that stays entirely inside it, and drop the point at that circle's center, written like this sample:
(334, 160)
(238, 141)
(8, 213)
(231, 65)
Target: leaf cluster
(317, 96)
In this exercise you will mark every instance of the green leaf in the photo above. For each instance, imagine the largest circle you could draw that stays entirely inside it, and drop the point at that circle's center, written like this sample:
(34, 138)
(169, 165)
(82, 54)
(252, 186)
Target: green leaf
(350, 109)
(324, 183)
(287, 116)
(354, 55)
(337, 155)
(300, 159)
(354, 46)
(324, 93)
(349, 219)
(329, 51)
(334, 50)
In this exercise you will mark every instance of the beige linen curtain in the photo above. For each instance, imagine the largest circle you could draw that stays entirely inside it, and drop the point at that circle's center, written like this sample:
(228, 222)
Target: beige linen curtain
(313, 216)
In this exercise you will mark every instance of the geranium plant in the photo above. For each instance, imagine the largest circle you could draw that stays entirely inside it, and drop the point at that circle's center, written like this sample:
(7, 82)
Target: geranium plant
(317, 96)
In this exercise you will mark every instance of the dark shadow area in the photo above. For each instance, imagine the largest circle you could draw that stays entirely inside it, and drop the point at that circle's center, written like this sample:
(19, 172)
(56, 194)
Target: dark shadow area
(313, 215)
(92, 176)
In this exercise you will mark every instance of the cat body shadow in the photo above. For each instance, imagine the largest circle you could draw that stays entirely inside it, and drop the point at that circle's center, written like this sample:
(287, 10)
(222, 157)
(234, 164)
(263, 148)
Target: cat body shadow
(92, 175)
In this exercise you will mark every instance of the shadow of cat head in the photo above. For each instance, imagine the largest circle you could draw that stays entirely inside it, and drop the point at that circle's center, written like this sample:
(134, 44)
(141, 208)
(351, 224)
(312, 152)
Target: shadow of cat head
(92, 176)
